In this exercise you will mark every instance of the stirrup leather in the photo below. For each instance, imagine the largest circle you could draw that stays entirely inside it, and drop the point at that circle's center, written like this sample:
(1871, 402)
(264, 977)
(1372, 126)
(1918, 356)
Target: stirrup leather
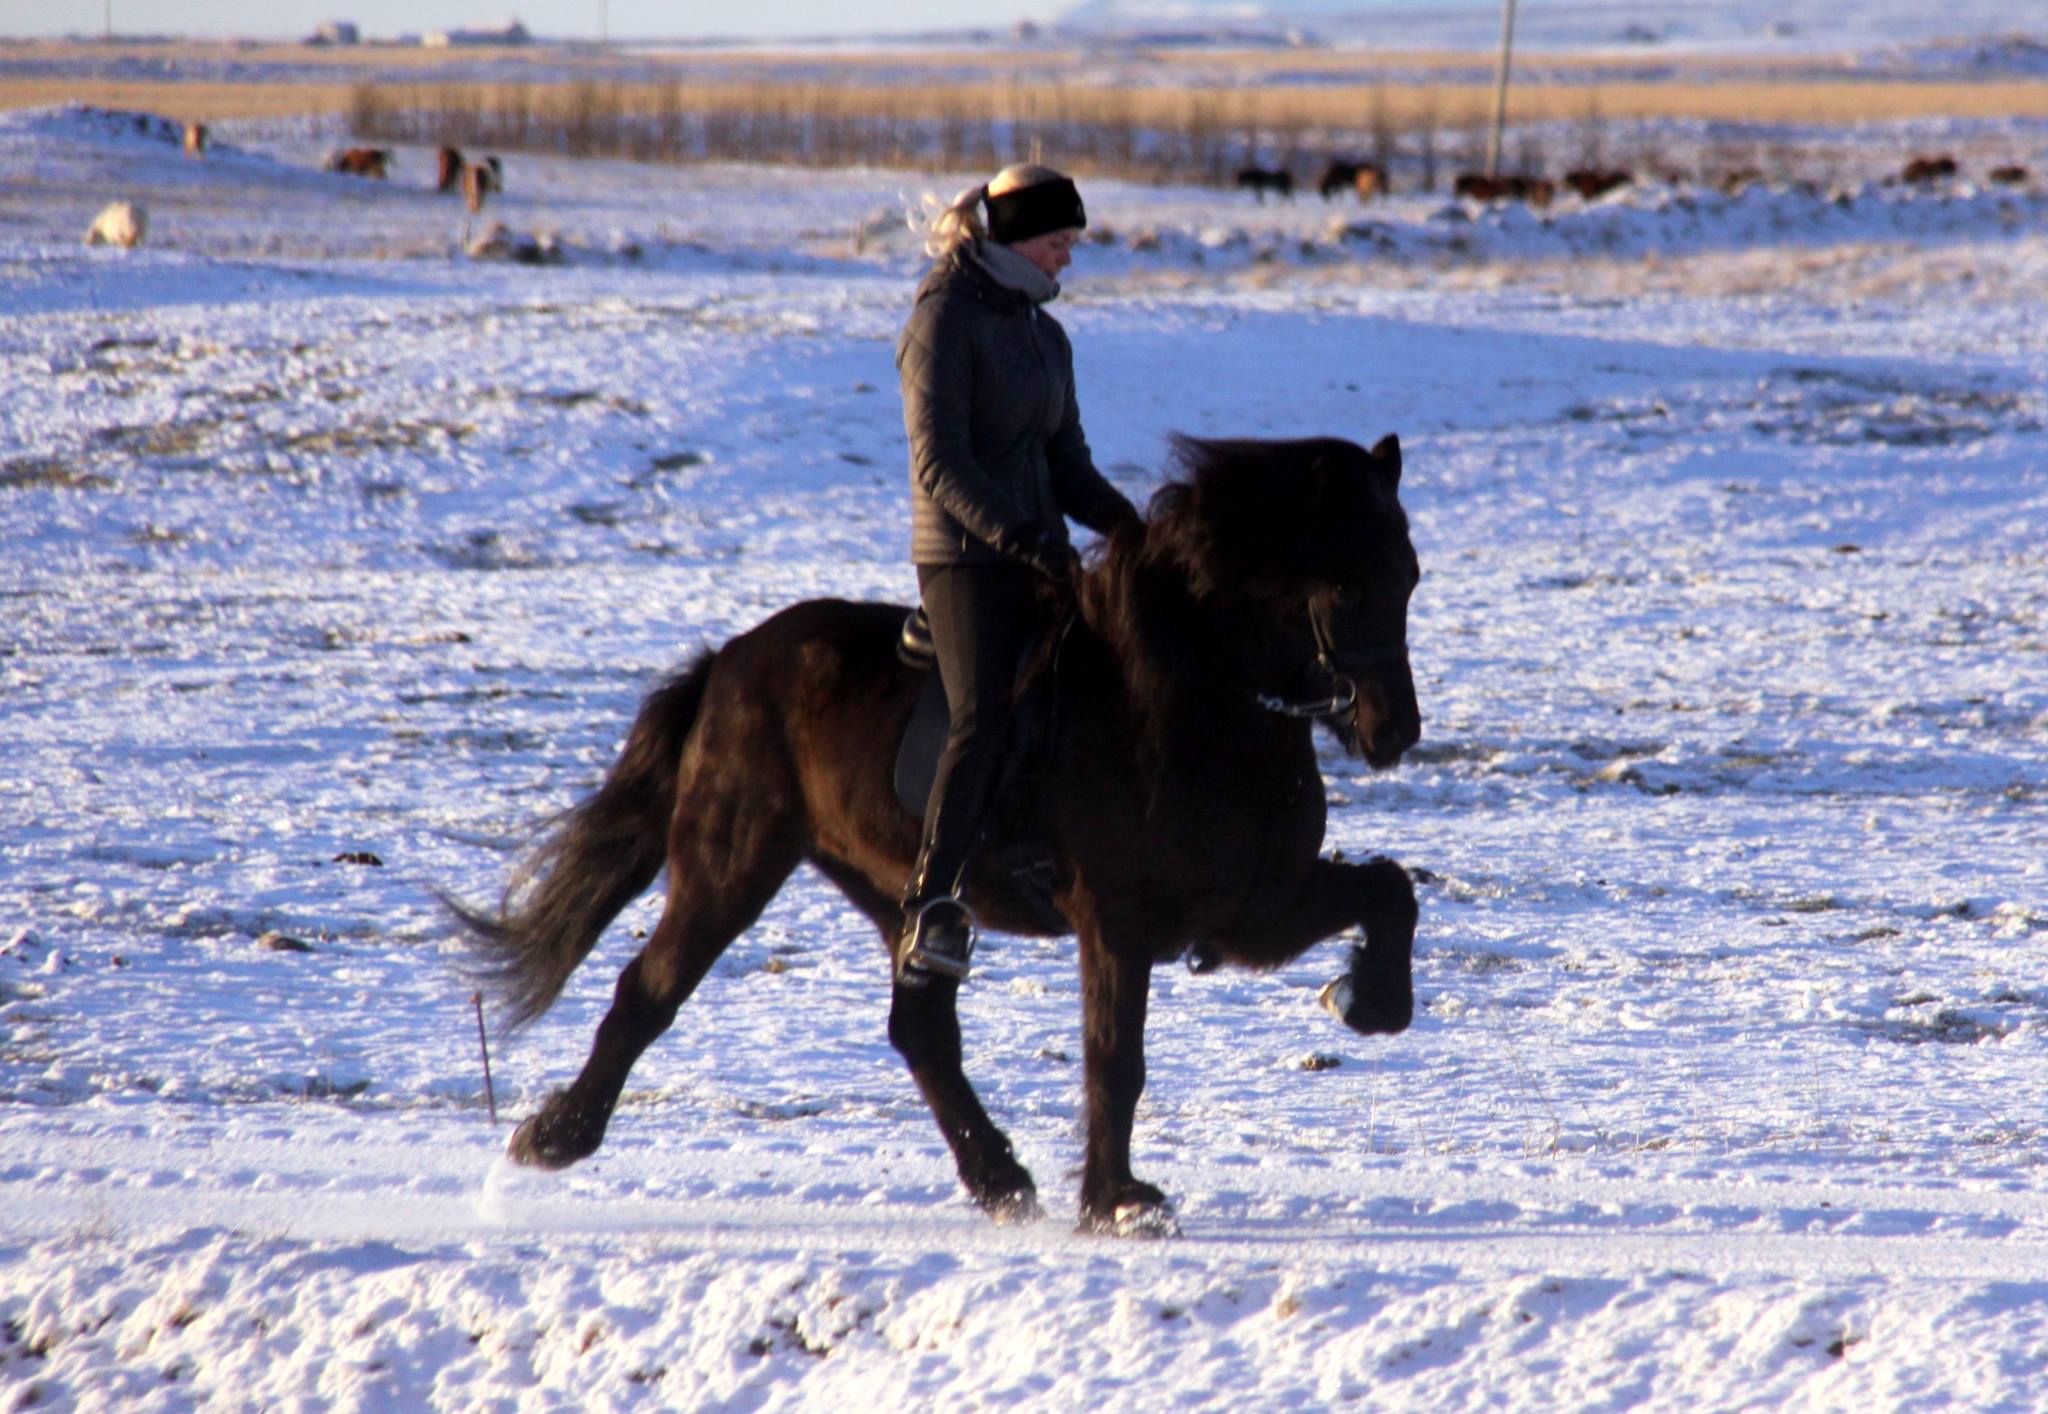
(947, 958)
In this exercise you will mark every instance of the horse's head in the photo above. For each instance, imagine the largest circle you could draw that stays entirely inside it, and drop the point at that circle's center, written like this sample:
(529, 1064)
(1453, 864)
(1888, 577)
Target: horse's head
(1303, 546)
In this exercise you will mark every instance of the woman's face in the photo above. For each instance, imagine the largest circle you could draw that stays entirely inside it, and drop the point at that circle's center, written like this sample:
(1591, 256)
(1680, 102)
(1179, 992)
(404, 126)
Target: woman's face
(1051, 252)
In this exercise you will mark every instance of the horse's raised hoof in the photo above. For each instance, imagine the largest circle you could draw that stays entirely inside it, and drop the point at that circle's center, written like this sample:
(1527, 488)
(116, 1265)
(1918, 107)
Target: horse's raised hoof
(1367, 1016)
(556, 1136)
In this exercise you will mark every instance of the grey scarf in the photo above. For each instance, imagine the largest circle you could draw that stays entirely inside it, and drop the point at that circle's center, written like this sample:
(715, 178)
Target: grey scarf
(1013, 272)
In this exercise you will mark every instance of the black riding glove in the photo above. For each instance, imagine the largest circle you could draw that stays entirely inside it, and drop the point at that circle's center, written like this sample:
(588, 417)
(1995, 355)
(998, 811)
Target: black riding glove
(1051, 556)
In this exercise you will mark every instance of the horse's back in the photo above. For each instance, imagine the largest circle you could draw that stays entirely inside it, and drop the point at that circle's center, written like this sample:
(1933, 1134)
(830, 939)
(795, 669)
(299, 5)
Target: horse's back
(805, 710)
(819, 642)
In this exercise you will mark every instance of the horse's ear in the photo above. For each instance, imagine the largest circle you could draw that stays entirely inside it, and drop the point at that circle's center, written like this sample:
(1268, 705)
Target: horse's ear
(1387, 452)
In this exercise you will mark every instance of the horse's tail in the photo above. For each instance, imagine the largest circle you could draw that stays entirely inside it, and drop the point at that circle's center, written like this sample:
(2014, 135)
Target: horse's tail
(597, 857)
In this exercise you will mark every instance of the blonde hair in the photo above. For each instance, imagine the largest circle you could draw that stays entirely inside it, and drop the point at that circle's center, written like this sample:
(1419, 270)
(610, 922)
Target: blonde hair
(947, 228)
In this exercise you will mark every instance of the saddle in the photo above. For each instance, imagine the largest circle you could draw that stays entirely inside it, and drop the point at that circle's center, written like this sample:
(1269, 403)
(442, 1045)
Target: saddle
(1008, 847)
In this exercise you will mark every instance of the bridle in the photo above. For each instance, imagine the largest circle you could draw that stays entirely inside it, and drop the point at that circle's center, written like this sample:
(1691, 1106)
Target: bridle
(1343, 695)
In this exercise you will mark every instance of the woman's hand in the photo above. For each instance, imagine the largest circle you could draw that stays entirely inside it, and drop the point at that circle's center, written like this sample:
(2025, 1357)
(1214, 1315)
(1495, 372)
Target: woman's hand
(1052, 557)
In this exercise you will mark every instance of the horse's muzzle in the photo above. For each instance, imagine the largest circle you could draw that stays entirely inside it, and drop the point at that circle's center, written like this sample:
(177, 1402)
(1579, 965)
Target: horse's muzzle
(1387, 720)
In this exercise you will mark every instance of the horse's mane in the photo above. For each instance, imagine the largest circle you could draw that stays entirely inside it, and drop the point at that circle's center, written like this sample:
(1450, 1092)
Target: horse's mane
(1272, 519)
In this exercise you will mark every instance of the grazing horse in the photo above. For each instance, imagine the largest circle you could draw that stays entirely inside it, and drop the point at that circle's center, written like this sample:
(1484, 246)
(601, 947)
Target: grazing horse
(361, 162)
(1177, 797)
(1924, 171)
(1592, 183)
(1534, 191)
(1260, 180)
(1365, 179)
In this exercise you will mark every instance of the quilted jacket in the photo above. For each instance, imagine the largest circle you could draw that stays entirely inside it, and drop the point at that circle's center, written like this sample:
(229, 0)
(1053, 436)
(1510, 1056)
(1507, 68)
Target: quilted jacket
(997, 456)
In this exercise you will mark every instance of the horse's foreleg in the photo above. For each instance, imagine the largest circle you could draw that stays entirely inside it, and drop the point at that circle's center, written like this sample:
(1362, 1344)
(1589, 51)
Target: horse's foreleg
(1115, 989)
(1377, 994)
(924, 1026)
(720, 880)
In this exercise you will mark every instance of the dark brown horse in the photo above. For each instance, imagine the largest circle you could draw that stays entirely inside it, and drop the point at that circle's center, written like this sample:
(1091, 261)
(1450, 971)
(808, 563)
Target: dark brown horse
(1178, 797)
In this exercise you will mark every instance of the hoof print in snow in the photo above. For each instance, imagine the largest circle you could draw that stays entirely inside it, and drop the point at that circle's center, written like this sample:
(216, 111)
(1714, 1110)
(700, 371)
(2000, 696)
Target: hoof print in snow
(1319, 1060)
(359, 856)
(274, 941)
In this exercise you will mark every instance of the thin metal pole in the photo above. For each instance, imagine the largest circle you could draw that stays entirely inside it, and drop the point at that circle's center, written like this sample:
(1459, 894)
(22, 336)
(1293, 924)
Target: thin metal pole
(476, 999)
(1500, 87)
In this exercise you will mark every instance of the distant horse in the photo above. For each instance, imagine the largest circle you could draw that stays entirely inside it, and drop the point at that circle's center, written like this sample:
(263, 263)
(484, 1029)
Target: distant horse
(1923, 171)
(448, 169)
(479, 179)
(361, 162)
(1367, 180)
(1592, 183)
(1260, 180)
(1177, 798)
(1533, 191)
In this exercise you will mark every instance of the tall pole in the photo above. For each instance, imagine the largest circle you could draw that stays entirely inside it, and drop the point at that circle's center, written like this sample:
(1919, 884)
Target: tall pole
(1500, 87)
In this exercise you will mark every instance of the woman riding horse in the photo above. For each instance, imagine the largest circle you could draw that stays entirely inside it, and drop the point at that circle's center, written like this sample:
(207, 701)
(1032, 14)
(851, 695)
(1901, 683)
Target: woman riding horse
(997, 463)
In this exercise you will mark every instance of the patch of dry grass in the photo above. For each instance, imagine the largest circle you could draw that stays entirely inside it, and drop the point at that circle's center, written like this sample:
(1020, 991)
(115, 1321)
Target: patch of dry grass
(993, 105)
(197, 102)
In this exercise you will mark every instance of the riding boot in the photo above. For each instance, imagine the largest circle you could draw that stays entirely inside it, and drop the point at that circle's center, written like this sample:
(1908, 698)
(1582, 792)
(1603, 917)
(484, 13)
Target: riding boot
(983, 620)
(937, 941)
(938, 930)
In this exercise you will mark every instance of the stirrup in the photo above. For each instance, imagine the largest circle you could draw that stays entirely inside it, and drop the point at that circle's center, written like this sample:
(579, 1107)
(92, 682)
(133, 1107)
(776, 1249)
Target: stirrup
(938, 943)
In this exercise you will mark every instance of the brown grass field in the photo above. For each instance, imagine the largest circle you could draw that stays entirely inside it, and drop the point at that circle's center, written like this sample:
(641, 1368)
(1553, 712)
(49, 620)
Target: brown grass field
(982, 85)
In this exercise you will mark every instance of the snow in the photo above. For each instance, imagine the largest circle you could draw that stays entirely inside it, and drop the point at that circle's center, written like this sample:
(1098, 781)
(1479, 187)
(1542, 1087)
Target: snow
(336, 561)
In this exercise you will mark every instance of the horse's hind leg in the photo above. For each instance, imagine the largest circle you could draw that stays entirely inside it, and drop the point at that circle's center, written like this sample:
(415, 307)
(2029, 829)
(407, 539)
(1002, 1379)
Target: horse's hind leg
(725, 864)
(924, 1027)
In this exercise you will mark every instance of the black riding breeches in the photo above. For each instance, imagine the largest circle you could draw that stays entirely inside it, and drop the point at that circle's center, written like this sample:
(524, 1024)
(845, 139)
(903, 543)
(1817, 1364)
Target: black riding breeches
(984, 620)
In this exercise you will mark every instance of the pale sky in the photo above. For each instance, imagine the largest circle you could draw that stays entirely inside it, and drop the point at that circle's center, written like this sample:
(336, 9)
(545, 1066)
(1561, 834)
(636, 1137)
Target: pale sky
(565, 19)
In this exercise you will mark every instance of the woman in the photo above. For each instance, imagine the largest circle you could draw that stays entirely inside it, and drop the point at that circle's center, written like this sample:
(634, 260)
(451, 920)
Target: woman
(997, 463)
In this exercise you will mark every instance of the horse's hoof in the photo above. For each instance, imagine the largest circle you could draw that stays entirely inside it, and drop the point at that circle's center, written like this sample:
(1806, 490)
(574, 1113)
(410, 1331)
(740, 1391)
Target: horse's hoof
(1336, 997)
(1014, 1209)
(548, 1139)
(1135, 1209)
(1367, 1017)
(529, 1147)
(1144, 1220)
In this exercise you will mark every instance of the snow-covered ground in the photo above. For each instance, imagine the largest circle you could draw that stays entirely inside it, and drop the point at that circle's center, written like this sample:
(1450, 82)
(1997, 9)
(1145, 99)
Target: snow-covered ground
(334, 561)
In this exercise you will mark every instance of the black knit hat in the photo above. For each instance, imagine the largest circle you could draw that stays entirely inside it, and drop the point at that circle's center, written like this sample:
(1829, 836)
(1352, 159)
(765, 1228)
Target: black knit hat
(1030, 211)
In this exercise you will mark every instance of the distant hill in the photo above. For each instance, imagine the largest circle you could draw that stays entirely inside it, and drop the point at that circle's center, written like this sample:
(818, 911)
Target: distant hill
(1566, 24)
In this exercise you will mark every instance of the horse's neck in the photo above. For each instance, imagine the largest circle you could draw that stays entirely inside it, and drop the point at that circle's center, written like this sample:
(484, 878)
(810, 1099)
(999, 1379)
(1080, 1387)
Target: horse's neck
(1191, 706)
